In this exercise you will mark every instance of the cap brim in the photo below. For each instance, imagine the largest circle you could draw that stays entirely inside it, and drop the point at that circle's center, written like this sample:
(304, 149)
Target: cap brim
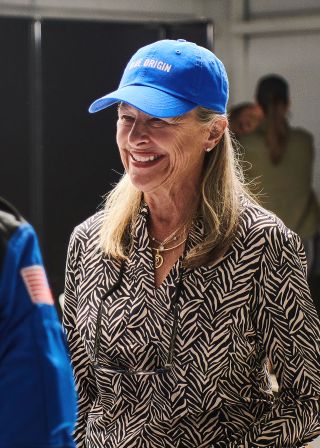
(147, 99)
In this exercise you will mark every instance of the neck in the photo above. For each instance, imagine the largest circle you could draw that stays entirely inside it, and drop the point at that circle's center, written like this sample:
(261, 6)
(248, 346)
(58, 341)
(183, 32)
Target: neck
(169, 211)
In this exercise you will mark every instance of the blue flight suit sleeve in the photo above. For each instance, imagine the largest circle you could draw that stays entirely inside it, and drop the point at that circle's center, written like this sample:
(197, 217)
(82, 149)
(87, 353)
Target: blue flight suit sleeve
(37, 394)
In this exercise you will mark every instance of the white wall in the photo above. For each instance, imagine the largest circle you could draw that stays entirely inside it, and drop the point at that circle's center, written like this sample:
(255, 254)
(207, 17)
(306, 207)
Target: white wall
(105, 9)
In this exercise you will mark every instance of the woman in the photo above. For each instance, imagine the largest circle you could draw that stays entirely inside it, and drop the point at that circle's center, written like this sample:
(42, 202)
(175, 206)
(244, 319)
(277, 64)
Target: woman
(179, 291)
(281, 163)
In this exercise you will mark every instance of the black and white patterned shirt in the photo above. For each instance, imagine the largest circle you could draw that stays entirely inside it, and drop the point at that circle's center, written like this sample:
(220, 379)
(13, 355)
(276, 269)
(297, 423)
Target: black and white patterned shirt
(252, 305)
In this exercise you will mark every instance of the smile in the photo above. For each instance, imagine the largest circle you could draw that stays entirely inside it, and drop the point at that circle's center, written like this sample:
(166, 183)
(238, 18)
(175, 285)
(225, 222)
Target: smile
(149, 158)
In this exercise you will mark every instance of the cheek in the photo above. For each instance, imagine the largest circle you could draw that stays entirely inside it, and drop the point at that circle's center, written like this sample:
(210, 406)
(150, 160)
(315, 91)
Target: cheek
(119, 137)
(188, 151)
(178, 155)
(124, 155)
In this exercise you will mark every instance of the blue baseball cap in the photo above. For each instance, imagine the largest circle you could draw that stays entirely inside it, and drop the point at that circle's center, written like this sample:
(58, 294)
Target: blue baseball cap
(169, 78)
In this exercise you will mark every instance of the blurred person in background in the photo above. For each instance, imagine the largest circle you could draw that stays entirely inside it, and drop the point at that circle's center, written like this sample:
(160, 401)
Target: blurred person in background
(281, 164)
(37, 394)
(244, 118)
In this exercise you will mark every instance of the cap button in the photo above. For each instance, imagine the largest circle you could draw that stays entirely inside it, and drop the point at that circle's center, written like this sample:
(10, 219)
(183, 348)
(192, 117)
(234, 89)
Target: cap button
(181, 40)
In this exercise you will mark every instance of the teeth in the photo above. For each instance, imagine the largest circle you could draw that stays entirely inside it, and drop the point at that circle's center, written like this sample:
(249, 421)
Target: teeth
(145, 159)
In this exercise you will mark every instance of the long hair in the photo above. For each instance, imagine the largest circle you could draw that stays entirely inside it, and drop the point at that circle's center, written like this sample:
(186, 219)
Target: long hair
(273, 97)
(222, 188)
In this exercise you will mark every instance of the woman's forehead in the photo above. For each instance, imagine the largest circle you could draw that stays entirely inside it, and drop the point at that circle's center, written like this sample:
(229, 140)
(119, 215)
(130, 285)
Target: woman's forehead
(125, 107)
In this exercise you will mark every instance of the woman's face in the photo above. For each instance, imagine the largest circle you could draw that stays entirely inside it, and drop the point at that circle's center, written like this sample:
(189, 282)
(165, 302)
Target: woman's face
(156, 153)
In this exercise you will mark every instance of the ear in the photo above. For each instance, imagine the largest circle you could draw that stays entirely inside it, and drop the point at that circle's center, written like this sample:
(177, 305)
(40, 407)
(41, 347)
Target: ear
(216, 130)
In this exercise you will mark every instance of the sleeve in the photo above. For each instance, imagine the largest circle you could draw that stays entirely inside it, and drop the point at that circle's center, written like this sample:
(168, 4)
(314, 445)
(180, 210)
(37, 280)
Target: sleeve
(38, 400)
(289, 333)
(84, 378)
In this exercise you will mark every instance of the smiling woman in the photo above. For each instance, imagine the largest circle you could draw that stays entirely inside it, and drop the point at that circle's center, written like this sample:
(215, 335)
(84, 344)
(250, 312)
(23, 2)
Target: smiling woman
(170, 149)
(183, 287)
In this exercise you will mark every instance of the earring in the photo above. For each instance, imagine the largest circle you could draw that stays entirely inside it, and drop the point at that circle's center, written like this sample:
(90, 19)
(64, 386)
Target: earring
(208, 149)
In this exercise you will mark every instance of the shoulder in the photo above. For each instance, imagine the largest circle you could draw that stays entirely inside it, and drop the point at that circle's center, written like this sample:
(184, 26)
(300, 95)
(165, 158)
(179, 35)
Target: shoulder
(10, 218)
(10, 222)
(257, 223)
(254, 216)
(301, 135)
(277, 248)
(90, 227)
(86, 234)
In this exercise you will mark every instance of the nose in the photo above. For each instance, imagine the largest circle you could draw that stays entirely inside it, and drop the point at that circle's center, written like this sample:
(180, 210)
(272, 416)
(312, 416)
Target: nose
(138, 135)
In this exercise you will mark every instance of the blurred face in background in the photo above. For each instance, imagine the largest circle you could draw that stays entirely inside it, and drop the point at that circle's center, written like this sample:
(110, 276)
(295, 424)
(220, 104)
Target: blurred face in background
(246, 120)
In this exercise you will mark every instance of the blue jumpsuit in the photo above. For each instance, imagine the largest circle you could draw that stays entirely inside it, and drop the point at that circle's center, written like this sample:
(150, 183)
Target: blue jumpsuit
(37, 395)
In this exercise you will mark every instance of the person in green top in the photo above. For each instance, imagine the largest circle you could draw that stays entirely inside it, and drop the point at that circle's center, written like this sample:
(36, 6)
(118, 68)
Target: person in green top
(280, 162)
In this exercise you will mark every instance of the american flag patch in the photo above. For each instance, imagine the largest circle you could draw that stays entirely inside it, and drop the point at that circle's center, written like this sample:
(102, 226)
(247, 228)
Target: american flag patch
(36, 282)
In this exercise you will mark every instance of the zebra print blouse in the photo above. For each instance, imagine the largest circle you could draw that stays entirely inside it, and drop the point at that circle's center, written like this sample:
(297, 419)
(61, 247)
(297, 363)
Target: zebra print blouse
(252, 305)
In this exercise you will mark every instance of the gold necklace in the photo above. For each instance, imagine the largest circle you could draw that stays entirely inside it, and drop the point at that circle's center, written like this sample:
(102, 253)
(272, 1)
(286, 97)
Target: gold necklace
(158, 258)
(172, 237)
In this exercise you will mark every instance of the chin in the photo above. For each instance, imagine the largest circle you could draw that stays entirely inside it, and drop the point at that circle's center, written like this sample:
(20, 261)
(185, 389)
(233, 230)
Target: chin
(145, 187)
(143, 183)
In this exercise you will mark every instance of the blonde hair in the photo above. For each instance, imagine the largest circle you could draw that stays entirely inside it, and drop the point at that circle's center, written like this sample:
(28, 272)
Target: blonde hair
(220, 204)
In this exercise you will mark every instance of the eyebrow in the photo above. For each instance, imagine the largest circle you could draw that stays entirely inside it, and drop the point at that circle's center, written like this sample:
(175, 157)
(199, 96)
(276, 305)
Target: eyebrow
(122, 105)
(173, 120)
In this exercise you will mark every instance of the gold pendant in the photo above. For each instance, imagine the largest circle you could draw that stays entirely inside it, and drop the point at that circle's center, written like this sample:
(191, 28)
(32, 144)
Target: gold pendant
(158, 260)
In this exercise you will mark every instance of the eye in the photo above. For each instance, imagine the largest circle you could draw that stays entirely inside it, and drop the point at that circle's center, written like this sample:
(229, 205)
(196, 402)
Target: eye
(158, 123)
(126, 119)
